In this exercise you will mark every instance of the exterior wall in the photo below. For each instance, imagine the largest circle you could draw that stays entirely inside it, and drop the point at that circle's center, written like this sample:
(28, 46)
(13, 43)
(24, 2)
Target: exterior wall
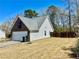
(2, 34)
(16, 28)
(18, 36)
(34, 36)
(41, 34)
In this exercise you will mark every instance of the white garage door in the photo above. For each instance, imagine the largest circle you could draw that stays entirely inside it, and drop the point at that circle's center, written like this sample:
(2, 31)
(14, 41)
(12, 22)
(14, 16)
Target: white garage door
(19, 35)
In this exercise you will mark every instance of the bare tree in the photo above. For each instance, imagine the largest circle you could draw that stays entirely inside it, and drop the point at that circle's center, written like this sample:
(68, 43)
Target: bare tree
(52, 12)
(77, 10)
(7, 25)
(71, 8)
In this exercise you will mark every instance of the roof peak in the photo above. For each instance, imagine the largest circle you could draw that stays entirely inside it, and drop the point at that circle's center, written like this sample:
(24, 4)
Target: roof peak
(32, 17)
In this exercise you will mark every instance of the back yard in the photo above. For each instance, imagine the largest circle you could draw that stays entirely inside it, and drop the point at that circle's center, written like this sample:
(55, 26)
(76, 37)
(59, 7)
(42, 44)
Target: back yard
(50, 48)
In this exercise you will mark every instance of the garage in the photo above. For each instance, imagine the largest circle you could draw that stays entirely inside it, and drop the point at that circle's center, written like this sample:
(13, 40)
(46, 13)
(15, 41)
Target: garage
(18, 36)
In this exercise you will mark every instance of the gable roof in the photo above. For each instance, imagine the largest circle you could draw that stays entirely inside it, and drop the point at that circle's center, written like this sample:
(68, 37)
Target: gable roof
(33, 24)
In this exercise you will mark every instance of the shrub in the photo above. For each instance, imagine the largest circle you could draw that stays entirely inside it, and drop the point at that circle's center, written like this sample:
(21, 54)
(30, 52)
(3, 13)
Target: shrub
(8, 35)
(76, 49)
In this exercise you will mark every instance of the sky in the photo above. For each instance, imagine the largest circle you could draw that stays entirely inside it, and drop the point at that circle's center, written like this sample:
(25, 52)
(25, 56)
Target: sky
(9, 8)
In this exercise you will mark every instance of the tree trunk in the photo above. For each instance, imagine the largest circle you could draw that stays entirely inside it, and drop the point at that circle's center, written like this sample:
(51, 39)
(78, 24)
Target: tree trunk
(69, 16)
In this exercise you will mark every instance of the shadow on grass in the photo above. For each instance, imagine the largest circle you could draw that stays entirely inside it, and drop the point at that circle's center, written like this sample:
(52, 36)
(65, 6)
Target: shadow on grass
(71, 55)
(74, 53)
(74, 50)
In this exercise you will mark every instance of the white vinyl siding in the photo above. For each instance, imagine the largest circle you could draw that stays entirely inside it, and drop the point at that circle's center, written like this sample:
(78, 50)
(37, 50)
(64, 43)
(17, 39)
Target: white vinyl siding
(19, 35)
(46, 26)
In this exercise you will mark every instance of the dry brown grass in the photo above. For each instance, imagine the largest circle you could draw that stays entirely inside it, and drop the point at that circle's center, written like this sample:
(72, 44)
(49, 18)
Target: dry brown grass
(4, 40)
(50, 48)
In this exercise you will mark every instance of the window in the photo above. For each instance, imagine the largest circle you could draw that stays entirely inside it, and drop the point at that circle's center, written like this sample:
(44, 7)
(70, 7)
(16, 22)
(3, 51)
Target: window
(45, 33)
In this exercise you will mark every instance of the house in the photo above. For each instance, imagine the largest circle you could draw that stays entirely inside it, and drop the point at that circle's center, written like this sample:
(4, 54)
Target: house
(2, 34)
(31, 28)
(76, 29)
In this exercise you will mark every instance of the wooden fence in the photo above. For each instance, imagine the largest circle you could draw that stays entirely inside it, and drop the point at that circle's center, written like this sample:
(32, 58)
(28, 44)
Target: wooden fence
(63, 34)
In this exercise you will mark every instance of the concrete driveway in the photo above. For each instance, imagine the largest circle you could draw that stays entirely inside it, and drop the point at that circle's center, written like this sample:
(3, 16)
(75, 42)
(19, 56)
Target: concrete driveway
(6, 44)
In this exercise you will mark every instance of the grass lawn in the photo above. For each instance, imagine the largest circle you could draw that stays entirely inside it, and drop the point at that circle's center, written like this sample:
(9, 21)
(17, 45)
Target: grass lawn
(50, 48)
